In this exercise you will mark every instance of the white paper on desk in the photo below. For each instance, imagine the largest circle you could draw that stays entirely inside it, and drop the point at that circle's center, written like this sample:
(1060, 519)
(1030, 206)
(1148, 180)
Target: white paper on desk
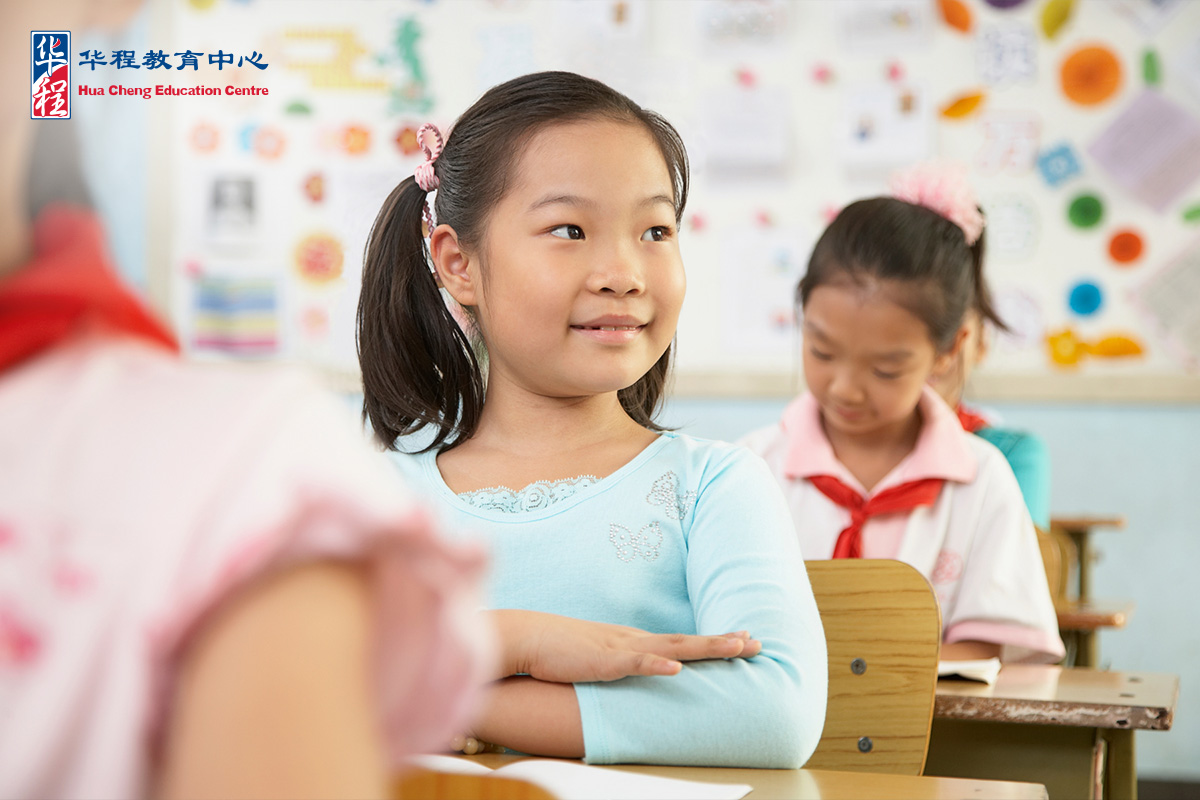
(570, 781)
(984, 670)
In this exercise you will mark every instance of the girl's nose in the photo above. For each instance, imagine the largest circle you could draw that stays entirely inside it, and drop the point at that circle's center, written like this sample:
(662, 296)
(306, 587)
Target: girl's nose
(845, 386)
(618, 273)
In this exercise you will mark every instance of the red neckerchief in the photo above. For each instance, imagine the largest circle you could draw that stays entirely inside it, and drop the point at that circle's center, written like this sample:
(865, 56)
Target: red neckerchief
(67, 286)
(904, 497)
(970, 421)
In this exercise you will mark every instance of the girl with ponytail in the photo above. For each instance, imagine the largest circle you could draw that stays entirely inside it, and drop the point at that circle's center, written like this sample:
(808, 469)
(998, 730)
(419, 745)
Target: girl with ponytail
(522, 320)
(872, 461)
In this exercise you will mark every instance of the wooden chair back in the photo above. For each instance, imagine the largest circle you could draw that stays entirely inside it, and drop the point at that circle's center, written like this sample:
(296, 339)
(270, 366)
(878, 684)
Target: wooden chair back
(883, 630)
(1058, 556)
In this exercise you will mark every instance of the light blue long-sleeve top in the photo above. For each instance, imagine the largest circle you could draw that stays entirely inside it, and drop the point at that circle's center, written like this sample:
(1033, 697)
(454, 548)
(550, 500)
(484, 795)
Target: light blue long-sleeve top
(693, 537)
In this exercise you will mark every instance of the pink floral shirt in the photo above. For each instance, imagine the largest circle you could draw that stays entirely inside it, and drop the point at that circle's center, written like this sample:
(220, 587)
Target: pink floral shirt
(136, 492)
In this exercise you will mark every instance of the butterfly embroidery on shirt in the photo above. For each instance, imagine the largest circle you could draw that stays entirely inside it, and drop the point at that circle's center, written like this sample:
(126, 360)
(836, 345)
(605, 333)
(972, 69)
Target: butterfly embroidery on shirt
(665, 492)
(645, 543)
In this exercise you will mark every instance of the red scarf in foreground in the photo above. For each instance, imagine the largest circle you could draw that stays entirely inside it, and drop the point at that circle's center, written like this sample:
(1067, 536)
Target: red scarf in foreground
(904, 497)
(68, 286)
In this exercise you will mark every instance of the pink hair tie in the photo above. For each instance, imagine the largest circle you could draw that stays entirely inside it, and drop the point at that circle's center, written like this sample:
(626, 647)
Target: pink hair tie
(424, 175)
(942, 188)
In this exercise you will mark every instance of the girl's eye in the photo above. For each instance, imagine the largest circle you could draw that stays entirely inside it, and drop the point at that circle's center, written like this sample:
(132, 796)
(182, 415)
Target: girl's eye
(567, 232)
(817, 354)
(659, 233)
(887, 376)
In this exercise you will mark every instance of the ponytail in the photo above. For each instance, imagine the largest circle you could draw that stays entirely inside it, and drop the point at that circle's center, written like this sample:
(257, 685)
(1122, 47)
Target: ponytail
(418, 367)
(984, 305)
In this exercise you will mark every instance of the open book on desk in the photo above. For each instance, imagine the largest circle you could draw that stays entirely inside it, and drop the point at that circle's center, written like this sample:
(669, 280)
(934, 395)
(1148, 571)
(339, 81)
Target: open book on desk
(571, 780)
(984, 670)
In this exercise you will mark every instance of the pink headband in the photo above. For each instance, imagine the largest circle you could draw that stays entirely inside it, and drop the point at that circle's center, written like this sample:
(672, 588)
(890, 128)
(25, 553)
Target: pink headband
(424, 175)
(942, 188)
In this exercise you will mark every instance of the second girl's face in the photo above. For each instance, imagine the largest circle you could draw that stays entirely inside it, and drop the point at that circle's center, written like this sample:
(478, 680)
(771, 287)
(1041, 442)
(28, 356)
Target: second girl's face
(582, 279)
(866, 359)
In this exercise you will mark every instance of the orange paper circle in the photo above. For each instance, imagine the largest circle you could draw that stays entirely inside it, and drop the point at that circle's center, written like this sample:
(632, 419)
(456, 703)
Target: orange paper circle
(1125, 247)
(1091, 75)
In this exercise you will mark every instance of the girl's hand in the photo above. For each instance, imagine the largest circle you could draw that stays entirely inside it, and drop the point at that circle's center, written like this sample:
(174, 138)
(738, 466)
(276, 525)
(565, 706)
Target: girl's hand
(561, 649)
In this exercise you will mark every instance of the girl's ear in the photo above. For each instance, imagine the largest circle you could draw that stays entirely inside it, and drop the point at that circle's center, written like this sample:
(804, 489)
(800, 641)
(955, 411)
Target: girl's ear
(947, 360)
(456, 269)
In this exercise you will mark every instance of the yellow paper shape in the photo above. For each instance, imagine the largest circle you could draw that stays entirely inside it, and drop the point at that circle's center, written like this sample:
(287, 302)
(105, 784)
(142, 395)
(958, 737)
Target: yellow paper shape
(1054, 15)
(962, 106)
(1115, 346)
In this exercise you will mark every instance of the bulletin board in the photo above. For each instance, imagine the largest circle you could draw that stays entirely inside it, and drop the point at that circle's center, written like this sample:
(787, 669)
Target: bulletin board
(1079, 123)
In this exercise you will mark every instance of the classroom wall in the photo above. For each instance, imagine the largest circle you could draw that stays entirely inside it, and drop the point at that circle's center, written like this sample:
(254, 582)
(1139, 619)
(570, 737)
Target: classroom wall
(1139, 461)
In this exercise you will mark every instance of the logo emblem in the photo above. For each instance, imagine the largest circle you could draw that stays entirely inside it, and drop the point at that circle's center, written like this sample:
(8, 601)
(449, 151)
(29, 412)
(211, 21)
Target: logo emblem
(50, 75)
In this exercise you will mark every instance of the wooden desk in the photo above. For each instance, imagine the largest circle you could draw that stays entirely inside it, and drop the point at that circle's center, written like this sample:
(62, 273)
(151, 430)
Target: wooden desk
(1084, 615)
(811, 784)
(1079, 528)
(1070, 729)
(1080, 624)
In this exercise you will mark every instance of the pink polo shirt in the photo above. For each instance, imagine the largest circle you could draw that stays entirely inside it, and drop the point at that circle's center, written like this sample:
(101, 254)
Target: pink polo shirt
(976, 544)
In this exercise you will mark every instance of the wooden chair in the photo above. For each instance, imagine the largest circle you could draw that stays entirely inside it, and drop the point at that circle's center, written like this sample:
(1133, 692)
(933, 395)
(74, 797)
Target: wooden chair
(883, 630)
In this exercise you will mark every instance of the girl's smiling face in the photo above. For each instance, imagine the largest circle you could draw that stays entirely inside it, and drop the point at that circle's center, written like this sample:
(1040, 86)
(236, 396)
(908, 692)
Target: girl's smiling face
(578, 286)
(866, 358)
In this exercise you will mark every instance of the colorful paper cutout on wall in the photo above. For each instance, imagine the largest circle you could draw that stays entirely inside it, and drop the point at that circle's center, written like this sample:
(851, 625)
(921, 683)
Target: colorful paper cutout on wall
(822, 73)
(1023, 316)
(963, 105)
(1151, 70)
(235, 316)
(406, 141)
(204, 137)
(1151, 150)
(1056, 14)
(269, 142)
(1091, 75)
(1148, 15)
(356, 140)
(884, 26)
(1007, 54)
(341, 69)
(884, 126)
(1067, 349)
(412, 93)
(1010, 142)
(1168, 301)
(1004, 5)
(1085, 298)
(1125, 247)
(1012, 224)
(298, 108)
(956, 14)
(1192, 213)
(1085, 211)
(1058, 164)
(314, 187)
(319, 258)
(314, 323)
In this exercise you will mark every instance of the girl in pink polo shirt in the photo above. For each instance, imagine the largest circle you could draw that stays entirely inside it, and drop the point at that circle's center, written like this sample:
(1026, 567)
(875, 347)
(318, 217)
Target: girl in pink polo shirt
(873, 463)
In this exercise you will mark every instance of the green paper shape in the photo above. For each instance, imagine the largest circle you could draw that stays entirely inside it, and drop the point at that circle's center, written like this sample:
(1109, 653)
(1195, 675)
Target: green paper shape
(1151, 73)
(297, 107)
(1086, 211)
(1192, 213)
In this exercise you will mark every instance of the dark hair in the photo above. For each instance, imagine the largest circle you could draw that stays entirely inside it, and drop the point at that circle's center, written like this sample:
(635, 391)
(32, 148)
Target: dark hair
(887, 239)
(418, 366)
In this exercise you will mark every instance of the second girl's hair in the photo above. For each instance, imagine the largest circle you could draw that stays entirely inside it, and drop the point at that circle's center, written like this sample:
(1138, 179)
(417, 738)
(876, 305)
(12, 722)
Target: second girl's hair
(922, 253)
(418, 366)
